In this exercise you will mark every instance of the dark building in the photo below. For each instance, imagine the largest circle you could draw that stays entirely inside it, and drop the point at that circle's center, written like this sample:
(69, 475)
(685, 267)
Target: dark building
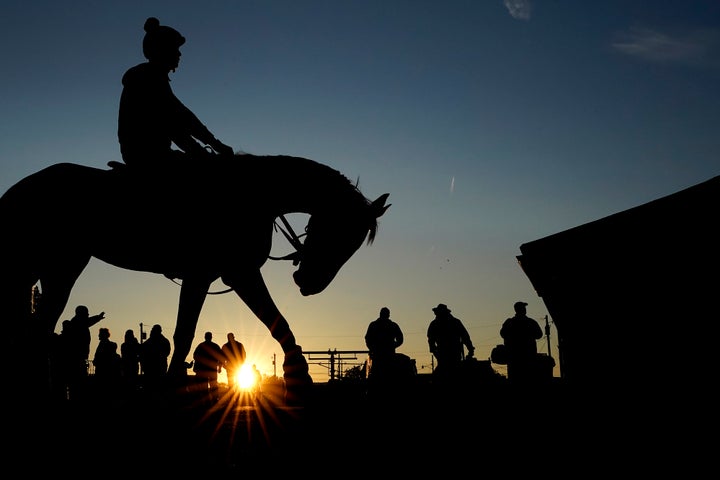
(634, 297)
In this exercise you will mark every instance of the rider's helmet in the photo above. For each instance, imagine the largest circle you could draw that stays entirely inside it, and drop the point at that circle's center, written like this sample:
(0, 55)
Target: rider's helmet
(160, 39)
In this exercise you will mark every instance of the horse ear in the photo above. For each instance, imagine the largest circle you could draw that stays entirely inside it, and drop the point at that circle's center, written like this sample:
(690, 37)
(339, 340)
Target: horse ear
(378, 205)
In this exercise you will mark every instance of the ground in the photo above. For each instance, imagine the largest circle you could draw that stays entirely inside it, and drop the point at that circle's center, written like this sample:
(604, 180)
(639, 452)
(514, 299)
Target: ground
(342, 428)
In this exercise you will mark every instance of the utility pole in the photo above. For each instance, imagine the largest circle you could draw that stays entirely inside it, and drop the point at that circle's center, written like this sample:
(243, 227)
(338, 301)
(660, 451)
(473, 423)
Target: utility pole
(142, 339)
(35, 299)
(547, 334)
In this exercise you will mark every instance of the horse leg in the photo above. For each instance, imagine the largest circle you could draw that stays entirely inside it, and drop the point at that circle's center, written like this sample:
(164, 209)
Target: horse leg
(192, 297)
(56, 285)
(16, 303)
(20, 330)
(252, 290)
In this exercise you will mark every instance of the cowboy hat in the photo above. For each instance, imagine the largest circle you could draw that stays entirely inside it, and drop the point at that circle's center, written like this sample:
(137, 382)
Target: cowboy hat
(441, 308)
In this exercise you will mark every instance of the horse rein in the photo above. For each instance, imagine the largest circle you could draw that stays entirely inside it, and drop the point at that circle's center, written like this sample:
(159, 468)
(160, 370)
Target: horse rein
(288, 232)
(291, 237)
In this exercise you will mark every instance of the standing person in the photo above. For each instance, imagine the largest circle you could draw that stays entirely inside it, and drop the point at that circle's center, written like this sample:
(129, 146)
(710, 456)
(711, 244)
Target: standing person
(106, 362)
(446, 337)
(520, 334)
(257, 380)
(154, 353)
(382, 337)
(234, 357)
(151, 118)
(207, 363)
(130, 360)
(78, 349)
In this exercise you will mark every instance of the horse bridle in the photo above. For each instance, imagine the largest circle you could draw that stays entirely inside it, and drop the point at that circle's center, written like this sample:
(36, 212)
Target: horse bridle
(291, 237)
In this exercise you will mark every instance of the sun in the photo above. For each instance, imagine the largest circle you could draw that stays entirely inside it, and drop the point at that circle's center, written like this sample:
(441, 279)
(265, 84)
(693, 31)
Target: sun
(245, 378)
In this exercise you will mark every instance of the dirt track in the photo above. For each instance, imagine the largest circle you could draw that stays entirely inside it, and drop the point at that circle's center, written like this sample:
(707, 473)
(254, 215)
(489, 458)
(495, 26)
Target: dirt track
(341, 426)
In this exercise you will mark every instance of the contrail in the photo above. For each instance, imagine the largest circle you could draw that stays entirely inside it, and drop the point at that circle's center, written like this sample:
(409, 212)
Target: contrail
(519, 9)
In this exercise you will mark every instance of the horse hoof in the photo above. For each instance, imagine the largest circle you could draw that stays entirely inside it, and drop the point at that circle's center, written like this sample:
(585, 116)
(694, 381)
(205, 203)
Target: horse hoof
(297, 391)
(298, 382)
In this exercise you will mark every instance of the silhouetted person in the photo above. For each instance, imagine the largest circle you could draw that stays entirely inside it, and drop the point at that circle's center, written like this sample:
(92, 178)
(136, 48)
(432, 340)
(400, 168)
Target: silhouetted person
(520, 334)
(207, 363)
(151, 118)
(446, 337)
(154, 353)
(130, 360)
(257, 376)
(78, 350)
(382, 337)
(234, 357)
(107, 363)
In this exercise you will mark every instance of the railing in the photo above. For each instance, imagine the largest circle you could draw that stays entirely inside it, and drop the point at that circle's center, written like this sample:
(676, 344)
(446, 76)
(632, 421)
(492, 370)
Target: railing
(333, 357)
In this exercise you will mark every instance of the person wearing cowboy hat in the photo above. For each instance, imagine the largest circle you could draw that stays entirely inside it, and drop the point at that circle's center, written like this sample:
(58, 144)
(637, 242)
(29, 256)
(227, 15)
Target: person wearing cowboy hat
(446, 336)
(151, 118)
(520, 334)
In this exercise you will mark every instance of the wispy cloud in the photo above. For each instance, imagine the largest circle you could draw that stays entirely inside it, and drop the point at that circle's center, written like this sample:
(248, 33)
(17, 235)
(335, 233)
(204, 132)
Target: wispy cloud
(519, 9)
(696, 47)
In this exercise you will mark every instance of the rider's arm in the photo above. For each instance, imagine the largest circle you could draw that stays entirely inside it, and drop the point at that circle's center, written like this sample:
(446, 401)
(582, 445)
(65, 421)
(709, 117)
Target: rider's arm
(189, 127)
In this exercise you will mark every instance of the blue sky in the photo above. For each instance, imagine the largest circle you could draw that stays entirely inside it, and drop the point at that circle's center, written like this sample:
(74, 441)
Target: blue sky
(490, 123)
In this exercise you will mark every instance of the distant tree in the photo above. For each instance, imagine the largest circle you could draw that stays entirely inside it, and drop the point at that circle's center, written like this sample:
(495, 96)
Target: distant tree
(354, 373)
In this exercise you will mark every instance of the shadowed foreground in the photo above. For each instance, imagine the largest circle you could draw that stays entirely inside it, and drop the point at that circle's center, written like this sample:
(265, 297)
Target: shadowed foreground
(344, 431)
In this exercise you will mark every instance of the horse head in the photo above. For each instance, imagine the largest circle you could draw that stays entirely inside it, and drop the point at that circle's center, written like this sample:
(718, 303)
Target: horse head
(332, 237)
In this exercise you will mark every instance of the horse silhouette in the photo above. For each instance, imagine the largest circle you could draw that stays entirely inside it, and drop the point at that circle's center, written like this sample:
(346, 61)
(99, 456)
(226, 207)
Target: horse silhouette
(170, 222)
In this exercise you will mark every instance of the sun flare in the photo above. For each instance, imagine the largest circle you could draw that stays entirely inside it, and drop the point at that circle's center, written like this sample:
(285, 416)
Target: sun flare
(245, 378)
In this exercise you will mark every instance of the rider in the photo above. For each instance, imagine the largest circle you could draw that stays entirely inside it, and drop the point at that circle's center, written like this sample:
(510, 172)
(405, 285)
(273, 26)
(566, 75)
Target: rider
(151, 117)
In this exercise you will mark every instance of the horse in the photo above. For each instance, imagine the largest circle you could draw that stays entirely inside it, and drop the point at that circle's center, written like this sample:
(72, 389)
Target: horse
(168, 222)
